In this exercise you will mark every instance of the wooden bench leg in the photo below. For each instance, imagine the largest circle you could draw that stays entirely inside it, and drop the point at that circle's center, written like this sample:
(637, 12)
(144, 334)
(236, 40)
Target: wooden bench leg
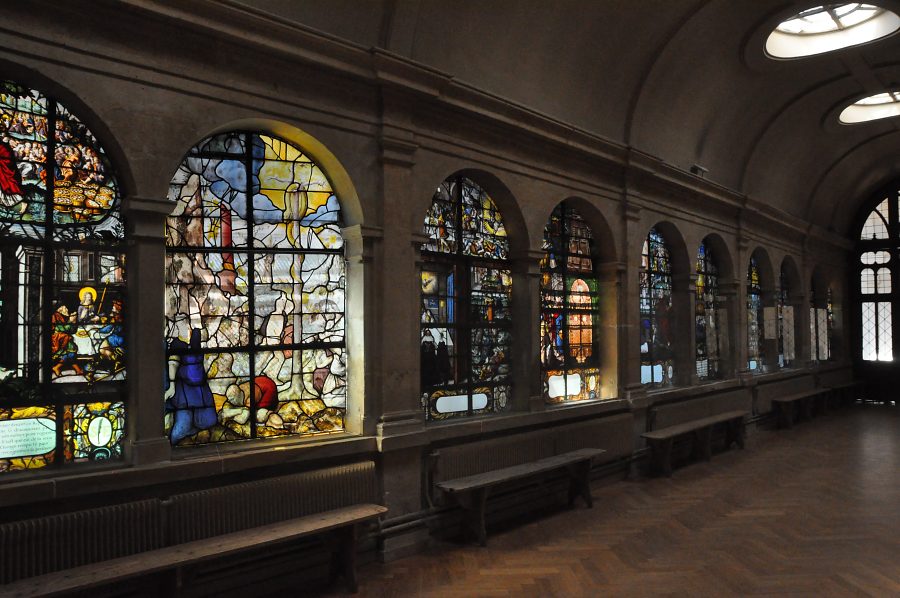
(473, 505)
(736, 432)
(580, 482)
(703, 442)
(347, 554)
(661, 453)
(807, 407)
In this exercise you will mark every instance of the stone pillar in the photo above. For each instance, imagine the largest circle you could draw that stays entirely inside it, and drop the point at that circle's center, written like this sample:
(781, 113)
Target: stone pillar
(525, 362)
(733, 335)
(361, 243)
(145, 336)
(802, 335)
(769, 298)
(393, 347)
(684, 303)
(629, 325)
(611, 277)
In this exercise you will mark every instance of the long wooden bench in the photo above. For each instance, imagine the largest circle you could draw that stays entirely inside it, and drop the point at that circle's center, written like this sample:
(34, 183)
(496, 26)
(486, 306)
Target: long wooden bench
(471, 492)
(467, 474)
(798, 405)
(847, 392)
(344, 522)
(168, 543)
(662, 440)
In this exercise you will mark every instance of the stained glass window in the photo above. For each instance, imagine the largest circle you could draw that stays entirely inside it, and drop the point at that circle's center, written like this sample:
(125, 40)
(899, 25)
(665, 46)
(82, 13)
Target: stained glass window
(254, 296)
(569, 298)
(755, 341)
(706, 313)
(829, 311)
(466, 290)
(657, 367)
(62, 288)
(781, 303)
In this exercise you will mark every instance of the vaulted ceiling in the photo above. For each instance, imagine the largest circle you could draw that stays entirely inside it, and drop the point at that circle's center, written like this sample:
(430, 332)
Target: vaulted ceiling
(684, 80)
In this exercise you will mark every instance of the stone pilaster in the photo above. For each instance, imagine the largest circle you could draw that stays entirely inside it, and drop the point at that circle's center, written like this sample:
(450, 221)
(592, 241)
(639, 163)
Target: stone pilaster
(145, 262)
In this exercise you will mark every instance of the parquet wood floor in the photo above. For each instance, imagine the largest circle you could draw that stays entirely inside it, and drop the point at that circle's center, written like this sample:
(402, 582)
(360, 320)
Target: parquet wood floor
(812, 511)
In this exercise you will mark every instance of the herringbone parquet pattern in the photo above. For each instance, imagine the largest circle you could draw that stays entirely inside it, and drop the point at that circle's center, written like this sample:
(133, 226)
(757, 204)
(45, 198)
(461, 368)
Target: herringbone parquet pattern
(813, 511)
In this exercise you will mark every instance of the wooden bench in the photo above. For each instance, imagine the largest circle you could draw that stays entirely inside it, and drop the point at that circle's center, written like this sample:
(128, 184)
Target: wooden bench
(847, 392)
(344, 522)
(799, 404)
(471, 492)
(171, 544)
(662, 440)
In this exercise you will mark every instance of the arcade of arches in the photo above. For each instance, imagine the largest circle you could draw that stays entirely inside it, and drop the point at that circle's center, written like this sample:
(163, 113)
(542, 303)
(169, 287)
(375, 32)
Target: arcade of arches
(272, 225)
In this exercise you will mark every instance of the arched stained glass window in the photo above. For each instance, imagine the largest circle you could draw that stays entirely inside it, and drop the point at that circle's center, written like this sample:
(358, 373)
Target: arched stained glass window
(706, 314)
(878, 243)
(62, 288)
(569, 297)
(657, 367)
(785, 322)
(755, 341)
(254, 297)
(466, 292)
(829, 322)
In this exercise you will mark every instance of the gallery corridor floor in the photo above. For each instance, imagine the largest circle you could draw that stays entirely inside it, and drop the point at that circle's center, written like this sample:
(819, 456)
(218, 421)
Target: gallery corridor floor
(811, 511)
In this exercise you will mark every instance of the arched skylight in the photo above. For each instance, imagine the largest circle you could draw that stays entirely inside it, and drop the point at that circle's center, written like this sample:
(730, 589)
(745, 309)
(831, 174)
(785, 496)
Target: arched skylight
(830, 27)
(875, 107)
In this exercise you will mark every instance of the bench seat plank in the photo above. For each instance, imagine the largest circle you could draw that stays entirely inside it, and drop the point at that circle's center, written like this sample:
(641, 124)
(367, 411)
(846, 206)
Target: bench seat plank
(154, 561)
(515, 472)
(662, 440)
(691, 426)
(471, 492)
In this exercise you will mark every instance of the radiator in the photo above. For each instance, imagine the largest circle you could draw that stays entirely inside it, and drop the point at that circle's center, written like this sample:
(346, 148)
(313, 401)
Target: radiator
(206, 513)
(488, 455)
(37, 546)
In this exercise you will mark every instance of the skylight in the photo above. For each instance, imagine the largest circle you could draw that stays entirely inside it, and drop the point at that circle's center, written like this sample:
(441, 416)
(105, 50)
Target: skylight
(830, 27)
(875, 107)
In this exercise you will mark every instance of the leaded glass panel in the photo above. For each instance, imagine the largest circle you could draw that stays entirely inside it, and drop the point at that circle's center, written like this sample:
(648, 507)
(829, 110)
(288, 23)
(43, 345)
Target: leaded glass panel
(569, 302)
(657, 366)
(255, 294)
(466, 291)
(755, 341)
(62, 288)
(706, 315)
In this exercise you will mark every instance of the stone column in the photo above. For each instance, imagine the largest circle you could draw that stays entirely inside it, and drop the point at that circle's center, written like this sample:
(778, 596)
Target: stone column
(525, 362)
(629, 325)
(145, 337)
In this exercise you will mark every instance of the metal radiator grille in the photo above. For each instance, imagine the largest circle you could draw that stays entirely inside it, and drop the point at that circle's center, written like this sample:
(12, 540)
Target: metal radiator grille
(37, 546)
(207, 513)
